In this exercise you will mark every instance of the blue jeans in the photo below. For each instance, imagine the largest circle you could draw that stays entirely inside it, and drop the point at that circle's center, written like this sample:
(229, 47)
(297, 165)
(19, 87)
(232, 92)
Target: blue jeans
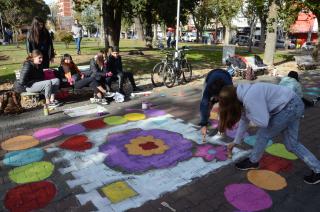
(78, 41)
(286, 122)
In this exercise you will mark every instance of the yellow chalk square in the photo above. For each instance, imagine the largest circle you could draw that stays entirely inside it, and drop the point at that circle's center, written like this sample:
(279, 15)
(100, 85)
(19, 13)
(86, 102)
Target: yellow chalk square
(118, 191)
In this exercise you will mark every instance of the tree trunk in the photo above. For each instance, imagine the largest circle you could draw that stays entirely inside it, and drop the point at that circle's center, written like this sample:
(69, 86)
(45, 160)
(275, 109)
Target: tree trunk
(227, 35)
(262, 34)
(139, 28)
(252, 31)
(271, 34)
(112, 22)
(149, 20)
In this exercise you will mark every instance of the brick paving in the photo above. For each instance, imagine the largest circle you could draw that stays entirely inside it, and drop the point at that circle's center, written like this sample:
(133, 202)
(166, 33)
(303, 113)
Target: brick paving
(202, 194)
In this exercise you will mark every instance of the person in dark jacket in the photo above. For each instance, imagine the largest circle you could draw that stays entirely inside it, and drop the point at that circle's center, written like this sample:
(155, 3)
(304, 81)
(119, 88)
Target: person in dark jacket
(32, 79)
(39, 38)
(115, 71)
(95, 78)
(214, 82)
(68, 72)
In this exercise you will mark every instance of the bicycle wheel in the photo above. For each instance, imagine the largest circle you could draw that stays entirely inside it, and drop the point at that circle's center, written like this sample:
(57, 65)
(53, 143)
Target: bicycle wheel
(157, 74)
(169, 76)
(186, 71)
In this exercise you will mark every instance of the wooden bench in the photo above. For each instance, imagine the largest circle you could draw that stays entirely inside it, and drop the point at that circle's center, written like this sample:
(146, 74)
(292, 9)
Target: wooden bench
(28, 99)
(306, 62)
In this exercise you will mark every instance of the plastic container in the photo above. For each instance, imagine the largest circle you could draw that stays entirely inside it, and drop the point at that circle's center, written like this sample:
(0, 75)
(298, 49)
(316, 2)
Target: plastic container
(144, 105)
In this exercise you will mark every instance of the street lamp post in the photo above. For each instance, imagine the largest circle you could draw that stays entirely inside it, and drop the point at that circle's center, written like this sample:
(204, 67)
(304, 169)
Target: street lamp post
(178, 22)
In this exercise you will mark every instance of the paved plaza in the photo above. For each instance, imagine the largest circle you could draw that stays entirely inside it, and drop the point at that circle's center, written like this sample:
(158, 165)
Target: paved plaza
(149, 160)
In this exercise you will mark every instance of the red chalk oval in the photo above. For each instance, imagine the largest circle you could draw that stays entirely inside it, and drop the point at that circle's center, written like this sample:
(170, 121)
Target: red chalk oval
(30, 196)
(76, 143)
(94, 124)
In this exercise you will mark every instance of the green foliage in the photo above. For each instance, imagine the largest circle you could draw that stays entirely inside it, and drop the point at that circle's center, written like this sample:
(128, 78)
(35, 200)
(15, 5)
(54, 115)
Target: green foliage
(64, 36)
(18, 12)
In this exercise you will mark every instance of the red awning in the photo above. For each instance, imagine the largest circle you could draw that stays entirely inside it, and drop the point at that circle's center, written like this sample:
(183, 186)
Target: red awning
(304, 23)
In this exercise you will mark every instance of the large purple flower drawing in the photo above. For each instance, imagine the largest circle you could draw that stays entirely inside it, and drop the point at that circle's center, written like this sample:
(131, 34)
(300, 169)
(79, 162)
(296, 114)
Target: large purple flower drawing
(209, 152)
(137, 150)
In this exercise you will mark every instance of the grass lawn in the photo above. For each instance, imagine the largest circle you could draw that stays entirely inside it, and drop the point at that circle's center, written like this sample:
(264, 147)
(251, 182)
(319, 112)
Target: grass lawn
(200, 56)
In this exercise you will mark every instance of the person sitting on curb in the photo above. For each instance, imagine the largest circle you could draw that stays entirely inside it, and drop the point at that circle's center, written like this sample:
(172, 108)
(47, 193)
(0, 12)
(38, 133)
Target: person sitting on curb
(274, 109)
(32, 79)
(292, 81)
(115, 71)
(214, 82)
(68, 72)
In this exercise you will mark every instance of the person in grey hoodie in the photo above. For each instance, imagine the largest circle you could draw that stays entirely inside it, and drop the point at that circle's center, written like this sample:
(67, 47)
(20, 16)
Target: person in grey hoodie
(77, 32)
(274, 109)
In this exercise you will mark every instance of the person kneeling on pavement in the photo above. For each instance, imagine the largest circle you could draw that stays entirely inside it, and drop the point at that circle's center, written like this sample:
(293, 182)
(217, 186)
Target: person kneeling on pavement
(115, 71)
(274, 109)
(32, 79)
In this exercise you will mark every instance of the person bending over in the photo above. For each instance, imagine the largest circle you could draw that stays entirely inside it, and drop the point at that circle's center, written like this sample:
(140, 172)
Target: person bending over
(275, 110)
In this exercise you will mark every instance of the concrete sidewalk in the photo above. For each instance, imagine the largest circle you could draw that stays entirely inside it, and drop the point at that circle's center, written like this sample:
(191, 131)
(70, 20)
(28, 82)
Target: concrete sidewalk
(205, 193)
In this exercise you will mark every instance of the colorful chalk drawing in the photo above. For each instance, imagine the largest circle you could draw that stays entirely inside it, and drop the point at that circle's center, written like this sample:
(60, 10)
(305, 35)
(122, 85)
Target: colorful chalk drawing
(149, 157)
(29, 197)
(115, 120)
(47, 134)
(118, 191)
(209, 152)
(32, 172)
(19, 143)
(76, 143)
(266, 179)
(251, 140)
(23, 157)
(72, 129)
(135, 116)
(280, 151)
(247, 197)
(275, 164)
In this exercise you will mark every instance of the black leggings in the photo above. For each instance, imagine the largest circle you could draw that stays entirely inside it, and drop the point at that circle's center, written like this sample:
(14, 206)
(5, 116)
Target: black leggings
(121, 78)
(88, 81)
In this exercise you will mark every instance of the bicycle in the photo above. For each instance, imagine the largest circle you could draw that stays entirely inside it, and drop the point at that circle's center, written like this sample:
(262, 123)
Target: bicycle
(159, 69)
(177, 68)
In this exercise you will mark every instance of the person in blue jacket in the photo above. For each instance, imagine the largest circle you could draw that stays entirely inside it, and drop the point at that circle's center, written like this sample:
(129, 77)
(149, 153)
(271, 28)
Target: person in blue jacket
(214, 82)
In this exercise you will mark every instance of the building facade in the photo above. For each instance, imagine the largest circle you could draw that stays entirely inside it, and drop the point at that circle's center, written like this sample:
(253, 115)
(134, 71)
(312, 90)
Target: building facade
(65, 14)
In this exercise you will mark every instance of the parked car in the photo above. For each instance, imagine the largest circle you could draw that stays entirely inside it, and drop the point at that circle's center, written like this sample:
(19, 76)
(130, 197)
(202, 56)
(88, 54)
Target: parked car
(309, 46)
(189, 37)
(243, 40)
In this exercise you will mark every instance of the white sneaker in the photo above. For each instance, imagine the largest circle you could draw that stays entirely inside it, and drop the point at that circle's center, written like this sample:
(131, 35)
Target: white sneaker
(94, 100)
(103, 101)
(109, 94)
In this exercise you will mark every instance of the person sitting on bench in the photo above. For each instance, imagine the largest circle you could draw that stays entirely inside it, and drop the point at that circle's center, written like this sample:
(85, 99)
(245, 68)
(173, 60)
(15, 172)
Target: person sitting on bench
(115, 71)
(68, 72)
(32, 79)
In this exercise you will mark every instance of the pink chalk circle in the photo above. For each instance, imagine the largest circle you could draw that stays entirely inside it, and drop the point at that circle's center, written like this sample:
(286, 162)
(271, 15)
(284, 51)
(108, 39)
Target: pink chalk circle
(47, 134)
(72, 129)
(154, 112)
(247, 197)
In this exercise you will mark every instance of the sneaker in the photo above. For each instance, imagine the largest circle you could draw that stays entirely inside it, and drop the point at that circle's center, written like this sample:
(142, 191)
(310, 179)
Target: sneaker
(314, 178)
(316, 100)
(109, 95)
(94, 100)
(102, 101)
(246, 164)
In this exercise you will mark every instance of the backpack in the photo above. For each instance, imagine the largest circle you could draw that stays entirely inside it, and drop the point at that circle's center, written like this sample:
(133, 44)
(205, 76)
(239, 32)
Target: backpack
(10, 103)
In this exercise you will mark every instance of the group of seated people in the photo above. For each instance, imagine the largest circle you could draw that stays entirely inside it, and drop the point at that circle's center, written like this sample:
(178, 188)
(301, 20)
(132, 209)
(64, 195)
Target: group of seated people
(104, 69)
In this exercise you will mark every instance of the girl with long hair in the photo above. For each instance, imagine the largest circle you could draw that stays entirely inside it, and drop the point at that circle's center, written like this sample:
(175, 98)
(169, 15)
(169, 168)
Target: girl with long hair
(274, 109)
(32, 79)
(39, 38)
(68, 71)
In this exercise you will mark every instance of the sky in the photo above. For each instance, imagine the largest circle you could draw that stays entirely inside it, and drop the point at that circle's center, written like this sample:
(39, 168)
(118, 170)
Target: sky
(48, 1)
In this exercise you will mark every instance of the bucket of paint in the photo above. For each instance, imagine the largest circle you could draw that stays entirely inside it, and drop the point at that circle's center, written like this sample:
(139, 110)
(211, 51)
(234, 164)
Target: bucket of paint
(144, 105)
